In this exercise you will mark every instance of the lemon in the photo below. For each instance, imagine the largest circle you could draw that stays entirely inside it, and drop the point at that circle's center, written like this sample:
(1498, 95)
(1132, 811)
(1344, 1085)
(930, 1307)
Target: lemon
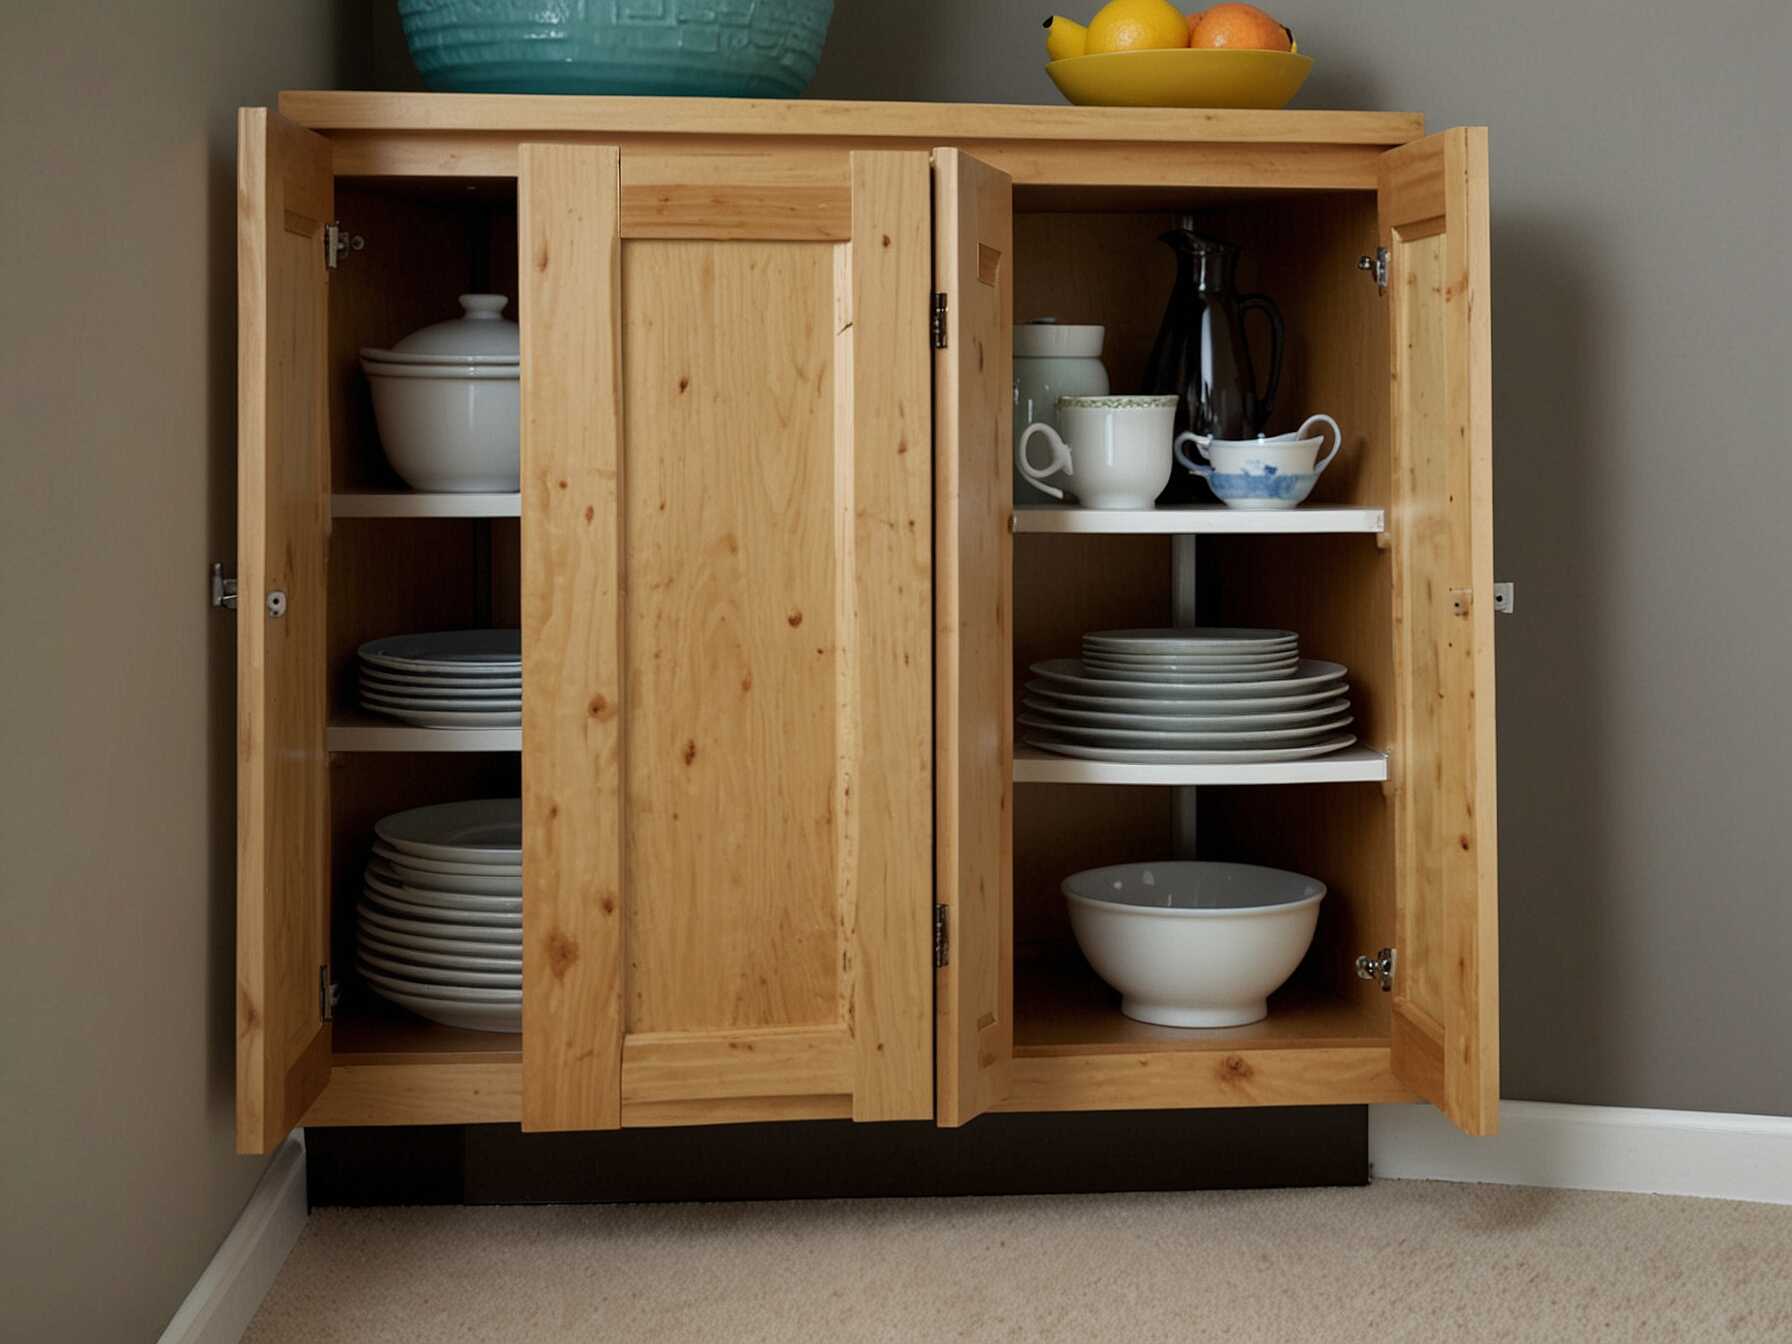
(1137, 25)
(1064, 38)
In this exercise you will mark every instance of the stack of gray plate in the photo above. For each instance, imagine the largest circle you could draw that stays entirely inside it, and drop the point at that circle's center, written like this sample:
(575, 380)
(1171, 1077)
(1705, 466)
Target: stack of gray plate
(441, 919)
(454, 679)
(1194, 696)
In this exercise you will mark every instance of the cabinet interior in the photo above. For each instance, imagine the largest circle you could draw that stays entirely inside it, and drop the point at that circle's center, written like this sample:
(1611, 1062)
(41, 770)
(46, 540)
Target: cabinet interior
(1089, 257)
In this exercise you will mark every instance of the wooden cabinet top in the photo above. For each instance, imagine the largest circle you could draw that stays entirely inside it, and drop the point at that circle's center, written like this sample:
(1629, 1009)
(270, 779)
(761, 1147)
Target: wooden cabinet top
(941, 123)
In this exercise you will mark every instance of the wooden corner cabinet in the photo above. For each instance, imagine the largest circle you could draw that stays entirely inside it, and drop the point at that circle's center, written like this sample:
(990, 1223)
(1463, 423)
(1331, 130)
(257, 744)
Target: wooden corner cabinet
(782, 858)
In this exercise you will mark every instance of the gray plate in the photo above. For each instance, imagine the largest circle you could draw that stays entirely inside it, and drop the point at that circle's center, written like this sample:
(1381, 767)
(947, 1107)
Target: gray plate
(1068, 672)
(1243, 756)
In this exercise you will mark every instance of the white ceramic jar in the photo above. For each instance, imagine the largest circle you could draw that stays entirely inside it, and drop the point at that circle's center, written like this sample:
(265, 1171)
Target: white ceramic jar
(1052, 360)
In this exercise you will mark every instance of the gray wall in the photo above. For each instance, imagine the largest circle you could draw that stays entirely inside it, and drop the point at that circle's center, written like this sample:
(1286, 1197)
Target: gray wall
(1642, 304)
(117, 481)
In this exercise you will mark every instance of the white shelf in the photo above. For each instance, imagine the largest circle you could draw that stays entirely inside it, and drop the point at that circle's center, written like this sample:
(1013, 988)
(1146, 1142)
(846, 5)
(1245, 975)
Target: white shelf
(1033, 766)
(356, 731)
(1210, 519)
(418, 504)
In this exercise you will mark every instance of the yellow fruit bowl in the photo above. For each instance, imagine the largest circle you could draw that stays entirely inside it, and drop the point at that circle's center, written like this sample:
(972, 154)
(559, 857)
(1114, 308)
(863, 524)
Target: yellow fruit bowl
(1181, 77)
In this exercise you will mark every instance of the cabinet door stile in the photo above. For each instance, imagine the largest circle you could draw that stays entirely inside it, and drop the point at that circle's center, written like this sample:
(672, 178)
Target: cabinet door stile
(574, 902)
(1434, 224)
(973, 602)
(285, 198)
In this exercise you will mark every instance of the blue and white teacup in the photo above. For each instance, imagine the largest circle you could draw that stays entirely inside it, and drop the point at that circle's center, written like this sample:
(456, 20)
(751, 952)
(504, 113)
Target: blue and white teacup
(1263, 473)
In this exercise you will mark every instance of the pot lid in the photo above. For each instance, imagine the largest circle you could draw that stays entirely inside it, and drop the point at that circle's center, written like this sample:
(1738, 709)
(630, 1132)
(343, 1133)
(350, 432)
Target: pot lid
(480, 335)
(1047, 337)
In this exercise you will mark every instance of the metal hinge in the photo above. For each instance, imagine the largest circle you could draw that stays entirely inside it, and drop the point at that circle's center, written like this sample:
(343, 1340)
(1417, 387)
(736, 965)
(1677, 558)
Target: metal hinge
(1505, 598)
(1378, 265)
(223, 589)
(942, 936)
(1378, 967)
(338, 242)
(329, 993)
(939, 321)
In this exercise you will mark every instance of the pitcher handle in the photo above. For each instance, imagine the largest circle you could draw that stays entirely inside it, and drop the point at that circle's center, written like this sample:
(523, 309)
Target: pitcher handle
(1200, 441)
(1060, 458)
(1263, 405)
(1337, 437)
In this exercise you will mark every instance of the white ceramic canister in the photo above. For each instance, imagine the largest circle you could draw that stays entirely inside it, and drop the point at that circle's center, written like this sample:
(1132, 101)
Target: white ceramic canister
(1052, 360)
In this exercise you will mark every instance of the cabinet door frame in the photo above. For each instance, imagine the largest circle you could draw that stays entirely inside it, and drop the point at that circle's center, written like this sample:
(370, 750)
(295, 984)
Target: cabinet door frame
(973, 605)
(1433, 212)
(285, 198)
(583, 1065)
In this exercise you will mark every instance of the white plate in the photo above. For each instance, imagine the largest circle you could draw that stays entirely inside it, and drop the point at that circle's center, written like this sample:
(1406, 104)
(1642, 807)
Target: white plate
(437, 977)
(446, 680)
(368, 940)
(512, 718)
(1191, 664)
(508, 937)
(419, 863)
(445, 900)
(502, 1017)
(392, 870)
(461, 652)
(383, 933)
(457, 993)
(1271, 701)
(1162, 741)
(1273, 672)
(440, 915)
(381, 704)
(433, 695)
(1195, 639)
(1185, 723)
(1310, 675)
(1244, 756)
(478, 831)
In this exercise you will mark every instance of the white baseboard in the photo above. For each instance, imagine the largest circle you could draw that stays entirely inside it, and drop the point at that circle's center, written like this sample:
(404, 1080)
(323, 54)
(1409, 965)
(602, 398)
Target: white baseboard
(1593, 1148)
(230, 1291)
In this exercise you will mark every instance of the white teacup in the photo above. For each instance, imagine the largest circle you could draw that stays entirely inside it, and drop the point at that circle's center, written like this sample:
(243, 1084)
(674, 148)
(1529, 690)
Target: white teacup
(1117, 449)
(1283, 455)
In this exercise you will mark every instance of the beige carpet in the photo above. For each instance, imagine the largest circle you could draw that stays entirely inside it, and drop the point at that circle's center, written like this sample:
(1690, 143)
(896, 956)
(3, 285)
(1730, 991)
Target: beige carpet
(1401, 1260)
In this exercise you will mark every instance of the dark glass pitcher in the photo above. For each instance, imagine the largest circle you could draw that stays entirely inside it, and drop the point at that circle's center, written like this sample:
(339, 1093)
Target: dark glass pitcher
(1201, 354)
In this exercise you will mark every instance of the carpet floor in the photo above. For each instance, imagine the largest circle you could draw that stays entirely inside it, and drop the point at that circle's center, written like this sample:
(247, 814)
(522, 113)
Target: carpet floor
(1398, 1261)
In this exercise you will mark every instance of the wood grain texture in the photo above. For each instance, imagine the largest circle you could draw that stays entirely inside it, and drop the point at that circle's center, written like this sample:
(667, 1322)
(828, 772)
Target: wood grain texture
(420, 1094)
(886, 526)
(736, 1110)
(572, 538)
(1434, 221)
(737, 1064)
(284, 199)
(973, 602)
(719, 196)
(937, 123)
(1312, 1076)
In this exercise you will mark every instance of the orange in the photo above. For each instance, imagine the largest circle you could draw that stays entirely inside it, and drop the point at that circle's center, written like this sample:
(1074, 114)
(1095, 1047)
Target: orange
(1195, 16)
(1241, 27)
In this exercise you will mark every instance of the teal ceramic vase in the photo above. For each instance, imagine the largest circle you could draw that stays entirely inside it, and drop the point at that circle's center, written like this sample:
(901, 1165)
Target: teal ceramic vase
(710, 48)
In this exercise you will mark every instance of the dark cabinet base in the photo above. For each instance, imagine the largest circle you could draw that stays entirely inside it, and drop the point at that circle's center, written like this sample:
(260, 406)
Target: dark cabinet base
(1065, 1153)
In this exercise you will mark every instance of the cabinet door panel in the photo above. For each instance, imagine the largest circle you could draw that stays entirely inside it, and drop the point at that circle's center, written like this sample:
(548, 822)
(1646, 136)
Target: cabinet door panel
(1433, 208)
(973, 407)
(754, 729)
(285, 197)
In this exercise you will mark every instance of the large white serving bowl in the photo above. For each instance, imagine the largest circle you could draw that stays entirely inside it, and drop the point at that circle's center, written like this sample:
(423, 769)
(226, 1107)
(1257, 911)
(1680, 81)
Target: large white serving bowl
(1193, 944)
(456, 429)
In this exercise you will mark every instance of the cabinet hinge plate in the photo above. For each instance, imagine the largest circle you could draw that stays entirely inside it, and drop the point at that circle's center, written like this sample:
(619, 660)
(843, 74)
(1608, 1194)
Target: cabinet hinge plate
(223, 589)
(328, 993)
(338, 241)
(938, 321)
(1378, 967)
(1377, 266)
(942, 936)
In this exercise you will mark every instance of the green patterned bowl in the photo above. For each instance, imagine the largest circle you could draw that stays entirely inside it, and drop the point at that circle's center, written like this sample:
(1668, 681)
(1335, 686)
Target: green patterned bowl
(712, 48)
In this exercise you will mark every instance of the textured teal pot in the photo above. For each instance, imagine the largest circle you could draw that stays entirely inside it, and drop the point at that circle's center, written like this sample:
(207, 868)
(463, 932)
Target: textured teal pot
(715, 48)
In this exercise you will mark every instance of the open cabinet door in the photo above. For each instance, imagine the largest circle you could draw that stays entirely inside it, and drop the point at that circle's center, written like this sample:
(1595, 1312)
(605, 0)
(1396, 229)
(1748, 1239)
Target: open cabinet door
(973, 601)
(285, 194)
(1433, 223)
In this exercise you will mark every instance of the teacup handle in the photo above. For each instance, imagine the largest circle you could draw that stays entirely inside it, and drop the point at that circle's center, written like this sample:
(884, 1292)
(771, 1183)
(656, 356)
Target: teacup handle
(1337, 437)
(1060, 458)
(1200, 441)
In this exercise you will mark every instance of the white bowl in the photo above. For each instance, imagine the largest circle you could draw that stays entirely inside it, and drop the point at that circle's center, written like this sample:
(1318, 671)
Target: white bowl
(456, 429)
(1193, 944)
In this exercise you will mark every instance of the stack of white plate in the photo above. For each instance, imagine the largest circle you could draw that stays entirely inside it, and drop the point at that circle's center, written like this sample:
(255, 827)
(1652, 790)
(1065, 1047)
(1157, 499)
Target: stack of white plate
(1188, 697)
(441, 919)
(455, 679)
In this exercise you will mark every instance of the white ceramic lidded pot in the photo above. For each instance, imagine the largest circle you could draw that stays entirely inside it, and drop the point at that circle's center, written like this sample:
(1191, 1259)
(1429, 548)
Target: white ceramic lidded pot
(1052, 360)
(448, 401)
